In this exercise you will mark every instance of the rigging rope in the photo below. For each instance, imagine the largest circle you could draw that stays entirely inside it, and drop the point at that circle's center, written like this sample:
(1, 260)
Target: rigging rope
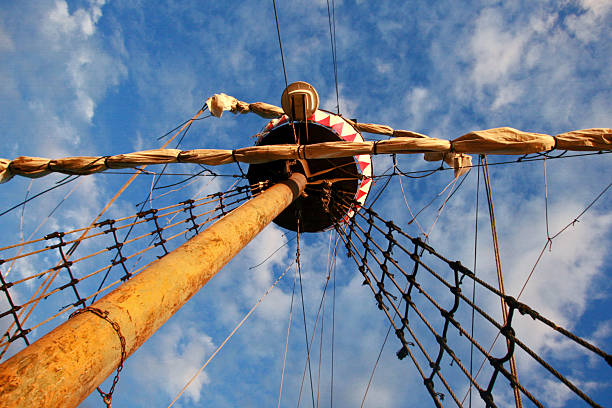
(331, 16)
(360, 239)
(195, 214)
(229, 336)
(280, 391)
(184, 129)
(500, 277)
(308, 347)
(382, 347)
(474, 283)
(46, 284)
(280, 43)
(332, 269)
(58, 184)
(546, 244)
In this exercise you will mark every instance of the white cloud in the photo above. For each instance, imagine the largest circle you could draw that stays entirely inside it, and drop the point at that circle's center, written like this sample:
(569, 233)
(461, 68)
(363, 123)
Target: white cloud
(603, 331)
(60, 71)
(174, 357)
(556, 394)
(382, 66)
(60, 21)
(454, 69)
(348, 105)
(507, 94)
(497, 52)
(418, 103)
(588, 25)
(6, 42)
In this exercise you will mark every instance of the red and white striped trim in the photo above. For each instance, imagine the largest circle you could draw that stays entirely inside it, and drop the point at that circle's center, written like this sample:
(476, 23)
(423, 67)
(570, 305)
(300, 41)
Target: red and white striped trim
(347, 132)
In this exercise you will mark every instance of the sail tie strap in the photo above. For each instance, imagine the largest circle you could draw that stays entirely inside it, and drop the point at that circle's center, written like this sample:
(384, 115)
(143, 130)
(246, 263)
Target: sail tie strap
(238, 163)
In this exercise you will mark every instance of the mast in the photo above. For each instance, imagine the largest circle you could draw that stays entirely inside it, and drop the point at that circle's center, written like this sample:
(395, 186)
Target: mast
(62, 368)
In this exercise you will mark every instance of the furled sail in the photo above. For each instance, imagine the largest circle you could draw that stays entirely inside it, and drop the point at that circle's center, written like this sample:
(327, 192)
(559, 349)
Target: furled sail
(505, 140)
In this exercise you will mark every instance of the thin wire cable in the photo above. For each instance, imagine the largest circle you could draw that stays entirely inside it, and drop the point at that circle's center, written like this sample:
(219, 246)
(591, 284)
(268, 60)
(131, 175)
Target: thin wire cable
(44, 286)
(205, 107)
(410, 209)
(229, 336)
(450, 195)
(152, 173)
(382, 347)
(474, 282)
(546, 199)
(272, 254)
(431, 202)
(500, 277)
(332, 37)
(559, 233)
(23, 210)
(441, 208)
(333, 334)
(280, 43)
(517, 161)
(320, 352)
(299, 268)
(536, 264)
(42, 223)
(57, 185)
(280, 391)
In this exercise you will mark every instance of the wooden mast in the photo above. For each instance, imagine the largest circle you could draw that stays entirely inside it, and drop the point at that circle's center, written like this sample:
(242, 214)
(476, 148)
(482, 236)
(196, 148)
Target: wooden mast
(63, 367)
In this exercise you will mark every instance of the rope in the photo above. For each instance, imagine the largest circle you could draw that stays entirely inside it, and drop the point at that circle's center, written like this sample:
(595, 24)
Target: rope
(546, 244)
(109, 229)
(48, 281)
(280, 391)
(333, 333)
(413, 217)
(280, 43)
(299, 268)
(228, 337)
(331, 16)
(500, 278)
(474, 283)
(27, 200)
(186, 126)
(360, 239)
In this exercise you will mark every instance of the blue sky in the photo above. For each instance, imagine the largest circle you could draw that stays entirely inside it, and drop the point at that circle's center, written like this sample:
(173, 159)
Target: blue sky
(97, 77)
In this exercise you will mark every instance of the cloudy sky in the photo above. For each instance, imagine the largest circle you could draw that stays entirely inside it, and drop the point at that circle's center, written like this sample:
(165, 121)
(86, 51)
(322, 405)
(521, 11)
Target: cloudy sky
(96, 77)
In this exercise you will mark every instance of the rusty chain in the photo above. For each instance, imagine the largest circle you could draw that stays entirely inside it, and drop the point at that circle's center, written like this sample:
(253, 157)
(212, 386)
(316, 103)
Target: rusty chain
(107, 397)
